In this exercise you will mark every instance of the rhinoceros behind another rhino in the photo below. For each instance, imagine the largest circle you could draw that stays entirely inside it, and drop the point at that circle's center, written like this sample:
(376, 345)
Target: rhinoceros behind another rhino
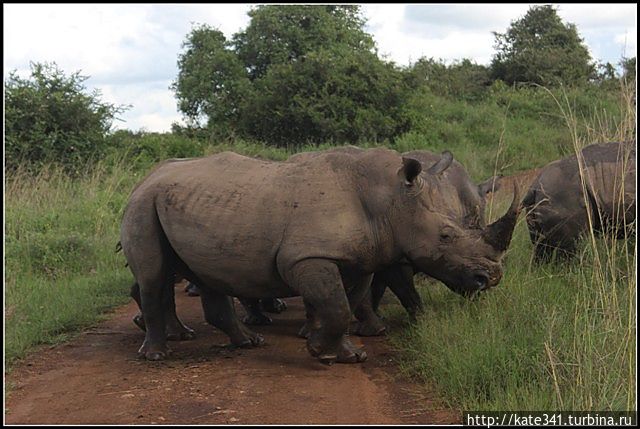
(571, 194)
(454, 194)
(237, 226)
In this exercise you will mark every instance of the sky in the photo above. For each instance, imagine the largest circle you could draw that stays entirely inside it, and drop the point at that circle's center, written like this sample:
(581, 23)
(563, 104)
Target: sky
(130, 51)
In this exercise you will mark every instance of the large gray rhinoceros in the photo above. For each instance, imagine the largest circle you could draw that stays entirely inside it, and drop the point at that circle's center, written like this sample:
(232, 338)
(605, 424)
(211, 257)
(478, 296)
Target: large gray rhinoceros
(558, 209)
(237, 226)
(453, 194)
(464, 200)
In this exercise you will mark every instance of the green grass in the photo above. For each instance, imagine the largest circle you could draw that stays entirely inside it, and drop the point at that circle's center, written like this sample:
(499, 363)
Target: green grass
(61, 267)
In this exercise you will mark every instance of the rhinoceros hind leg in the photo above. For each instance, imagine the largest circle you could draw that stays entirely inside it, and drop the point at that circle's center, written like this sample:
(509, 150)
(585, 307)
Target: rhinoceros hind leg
(219, 312)
(179, 331)
(254, 315)
(175, 329)
(138, 320)
(176, 333)
(153, 352)
(257, 320)
(369, 328)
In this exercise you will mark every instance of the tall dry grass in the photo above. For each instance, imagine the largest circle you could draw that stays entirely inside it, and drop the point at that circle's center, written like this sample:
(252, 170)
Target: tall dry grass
(605, 330)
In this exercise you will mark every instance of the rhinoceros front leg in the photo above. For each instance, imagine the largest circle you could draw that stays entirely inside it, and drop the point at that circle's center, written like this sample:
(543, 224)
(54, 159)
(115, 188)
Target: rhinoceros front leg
(320, 285)
(400, 280)
(220, 312)
(311, 322)
(369, 323)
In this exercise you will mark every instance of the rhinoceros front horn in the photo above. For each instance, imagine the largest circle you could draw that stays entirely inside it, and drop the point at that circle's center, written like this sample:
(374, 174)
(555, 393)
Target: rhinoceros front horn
(499, 233)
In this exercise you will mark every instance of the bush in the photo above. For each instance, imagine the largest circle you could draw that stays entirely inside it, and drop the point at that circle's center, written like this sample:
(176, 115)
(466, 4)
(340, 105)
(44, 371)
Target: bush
(144, 148)
(330, 96)
(50, 118)
(297, 74)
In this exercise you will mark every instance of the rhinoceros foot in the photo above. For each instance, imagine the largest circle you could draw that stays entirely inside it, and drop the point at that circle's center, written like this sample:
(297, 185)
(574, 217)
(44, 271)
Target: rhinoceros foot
(247, 338)
(258, 319)
(192, 290)
(346, 352)
(304, 331)
(183, 333)
(369, 328)
(274, 305)
(153, 352)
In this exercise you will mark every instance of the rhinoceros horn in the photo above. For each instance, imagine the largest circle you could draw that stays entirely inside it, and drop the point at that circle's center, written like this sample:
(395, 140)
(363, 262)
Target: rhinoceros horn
(442, 164)
(499, 233)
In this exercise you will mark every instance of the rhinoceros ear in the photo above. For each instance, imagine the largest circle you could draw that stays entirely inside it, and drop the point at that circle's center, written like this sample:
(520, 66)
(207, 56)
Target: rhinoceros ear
(489, 185)
(442, 164)
(411, 169)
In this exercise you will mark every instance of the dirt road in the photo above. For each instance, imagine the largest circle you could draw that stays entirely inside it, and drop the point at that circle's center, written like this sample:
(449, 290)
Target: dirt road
(97, 379)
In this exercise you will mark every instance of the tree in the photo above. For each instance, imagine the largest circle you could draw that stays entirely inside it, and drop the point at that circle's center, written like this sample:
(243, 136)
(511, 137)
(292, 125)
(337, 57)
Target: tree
(50, 117)
(212, 81)
(329, 95)
(296, 74)
(539, 48)
(629, 69)
(283, 34)
(461, 80)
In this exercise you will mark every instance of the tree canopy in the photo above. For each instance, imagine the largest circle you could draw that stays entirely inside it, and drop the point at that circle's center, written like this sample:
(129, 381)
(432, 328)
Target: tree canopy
(296, 74)
(540, 48)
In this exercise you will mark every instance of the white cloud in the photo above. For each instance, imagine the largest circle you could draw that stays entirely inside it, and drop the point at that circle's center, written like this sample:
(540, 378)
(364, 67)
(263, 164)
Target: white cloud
(628, 42)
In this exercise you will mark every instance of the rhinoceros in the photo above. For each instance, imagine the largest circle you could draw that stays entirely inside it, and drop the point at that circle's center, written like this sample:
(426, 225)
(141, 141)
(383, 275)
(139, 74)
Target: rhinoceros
(464, 200)
(455, 195)
(318, 228)
(559, 210)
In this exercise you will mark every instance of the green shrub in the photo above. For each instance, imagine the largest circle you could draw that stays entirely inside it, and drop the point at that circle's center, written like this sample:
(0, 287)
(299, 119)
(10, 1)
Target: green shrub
(49, 117)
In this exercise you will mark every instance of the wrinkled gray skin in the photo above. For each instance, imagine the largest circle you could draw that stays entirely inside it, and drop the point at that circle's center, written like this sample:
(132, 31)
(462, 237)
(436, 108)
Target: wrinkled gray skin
(558, 209)
(319, 228)
(464, 201)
